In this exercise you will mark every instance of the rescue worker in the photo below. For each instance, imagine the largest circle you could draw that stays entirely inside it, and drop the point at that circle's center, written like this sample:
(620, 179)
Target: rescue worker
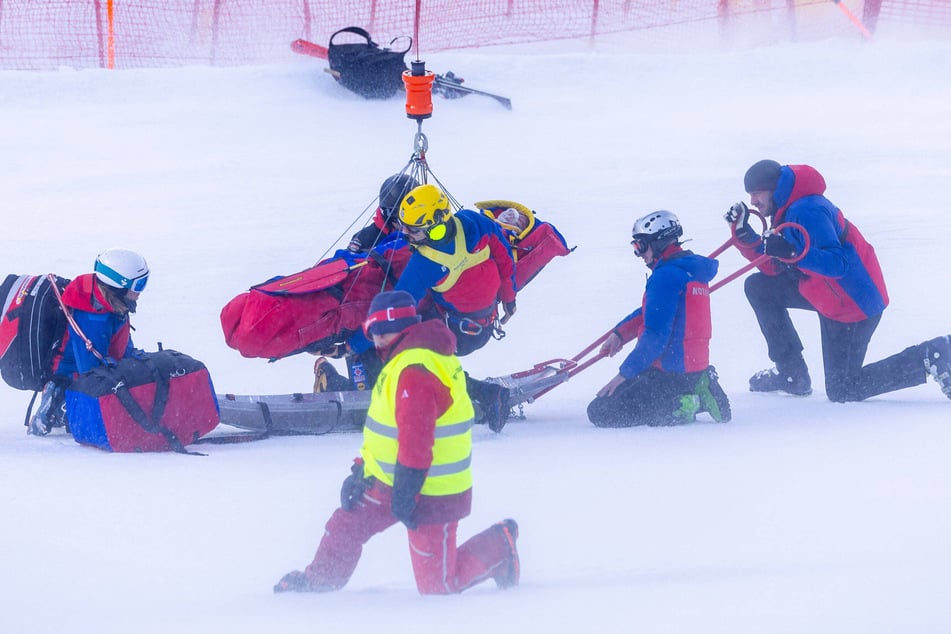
(386, 219)
(462, 260)
(414, 467)
(838, 277)
(460, 270)
(100, 304)
(667, 379)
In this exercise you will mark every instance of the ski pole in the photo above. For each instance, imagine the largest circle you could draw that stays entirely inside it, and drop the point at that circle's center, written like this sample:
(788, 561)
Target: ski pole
(854, 19)
(447, 84)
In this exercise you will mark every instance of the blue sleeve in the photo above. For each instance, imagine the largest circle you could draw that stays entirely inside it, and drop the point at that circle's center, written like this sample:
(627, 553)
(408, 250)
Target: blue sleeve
(359, 343)
(827, 256)
(633, 315)
(661, 299)
(420, 275)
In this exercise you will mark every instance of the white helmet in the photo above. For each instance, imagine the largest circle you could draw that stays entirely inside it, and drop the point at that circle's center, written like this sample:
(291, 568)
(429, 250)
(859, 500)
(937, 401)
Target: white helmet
(121, 268)
(658, 229)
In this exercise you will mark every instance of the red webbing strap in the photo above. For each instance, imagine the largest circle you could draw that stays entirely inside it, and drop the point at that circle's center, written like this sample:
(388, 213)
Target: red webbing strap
(69, 317)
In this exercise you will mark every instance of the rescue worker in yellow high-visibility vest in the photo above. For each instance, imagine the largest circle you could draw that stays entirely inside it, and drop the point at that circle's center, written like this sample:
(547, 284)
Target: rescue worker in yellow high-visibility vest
(414, 466)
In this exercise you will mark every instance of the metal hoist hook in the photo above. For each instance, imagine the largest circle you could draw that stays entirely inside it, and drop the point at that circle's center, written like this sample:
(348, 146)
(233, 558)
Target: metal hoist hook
(420, 142)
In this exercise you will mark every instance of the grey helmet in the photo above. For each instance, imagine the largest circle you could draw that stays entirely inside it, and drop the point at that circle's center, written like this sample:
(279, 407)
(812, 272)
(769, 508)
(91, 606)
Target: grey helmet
(392, 192)
(658, 229)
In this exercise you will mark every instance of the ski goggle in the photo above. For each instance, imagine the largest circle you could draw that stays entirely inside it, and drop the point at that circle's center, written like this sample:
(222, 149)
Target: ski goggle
(640, 244)
(117, 280)
(138, 284)
(433, 232)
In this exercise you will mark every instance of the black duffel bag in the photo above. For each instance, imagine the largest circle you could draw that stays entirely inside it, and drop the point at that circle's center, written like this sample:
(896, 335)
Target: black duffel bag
(364, 67)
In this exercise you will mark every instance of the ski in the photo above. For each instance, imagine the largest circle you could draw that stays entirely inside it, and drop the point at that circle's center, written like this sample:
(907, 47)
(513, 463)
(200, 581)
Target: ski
(451, 86)
(309, 48)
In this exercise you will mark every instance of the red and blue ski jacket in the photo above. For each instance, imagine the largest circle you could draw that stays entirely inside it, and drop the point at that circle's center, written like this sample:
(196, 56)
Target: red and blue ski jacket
(108, 331)
(673, 325)
(840, 274)
(469, 285)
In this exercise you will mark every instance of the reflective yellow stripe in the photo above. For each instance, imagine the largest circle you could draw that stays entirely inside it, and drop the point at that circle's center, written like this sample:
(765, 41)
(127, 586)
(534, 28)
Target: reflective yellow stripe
(380, 428)
(441, 432)
(457, 262)
(389, 468)
(450, 471)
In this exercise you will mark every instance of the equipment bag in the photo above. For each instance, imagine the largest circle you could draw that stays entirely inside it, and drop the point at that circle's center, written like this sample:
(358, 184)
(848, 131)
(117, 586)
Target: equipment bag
(311, 310)
(32, 328)
(364, 67)
(154, 401)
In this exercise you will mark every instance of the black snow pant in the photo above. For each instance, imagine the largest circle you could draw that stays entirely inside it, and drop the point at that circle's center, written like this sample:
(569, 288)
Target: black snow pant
(843, 344)
(650, 398)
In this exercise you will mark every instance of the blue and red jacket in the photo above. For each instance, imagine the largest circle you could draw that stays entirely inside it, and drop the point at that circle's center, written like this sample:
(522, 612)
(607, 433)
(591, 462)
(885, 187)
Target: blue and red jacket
(673, 325)
(109, 332)
(840, 274)
(478, 288)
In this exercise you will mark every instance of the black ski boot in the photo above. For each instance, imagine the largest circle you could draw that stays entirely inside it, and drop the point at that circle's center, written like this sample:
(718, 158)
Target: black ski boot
(938, 362)
(792, 378)
(51, 412)
(493, 400)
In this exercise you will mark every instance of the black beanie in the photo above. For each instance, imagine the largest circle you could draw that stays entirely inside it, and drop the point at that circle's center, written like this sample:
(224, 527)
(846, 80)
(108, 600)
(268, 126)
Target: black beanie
(391, 311)
(762, 176)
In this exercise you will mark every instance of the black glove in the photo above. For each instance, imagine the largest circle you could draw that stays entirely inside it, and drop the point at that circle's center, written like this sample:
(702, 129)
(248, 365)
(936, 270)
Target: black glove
(354, 486)
(739, 216)
(779, 247)
(407, 483)
(364, 239)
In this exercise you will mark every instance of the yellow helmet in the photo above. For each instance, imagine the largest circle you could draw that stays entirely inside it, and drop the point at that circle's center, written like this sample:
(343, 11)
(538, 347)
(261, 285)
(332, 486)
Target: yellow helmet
(424, 207)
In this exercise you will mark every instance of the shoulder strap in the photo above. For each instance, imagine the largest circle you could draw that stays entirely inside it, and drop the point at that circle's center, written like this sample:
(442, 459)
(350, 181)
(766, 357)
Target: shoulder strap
(409, 45)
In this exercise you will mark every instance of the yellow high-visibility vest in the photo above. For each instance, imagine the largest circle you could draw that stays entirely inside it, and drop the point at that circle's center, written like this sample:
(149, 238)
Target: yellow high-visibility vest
(452, 451)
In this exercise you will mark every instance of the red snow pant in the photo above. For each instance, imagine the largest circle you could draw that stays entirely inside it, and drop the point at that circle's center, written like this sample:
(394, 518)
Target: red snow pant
(439, 566)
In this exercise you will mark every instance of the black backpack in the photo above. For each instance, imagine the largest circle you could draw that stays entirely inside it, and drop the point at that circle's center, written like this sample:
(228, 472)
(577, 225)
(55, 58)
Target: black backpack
(32, 328)
(364, 67)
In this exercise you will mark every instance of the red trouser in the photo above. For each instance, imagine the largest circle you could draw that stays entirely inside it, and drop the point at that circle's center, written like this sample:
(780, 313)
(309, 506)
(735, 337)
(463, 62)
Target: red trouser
(439, 566)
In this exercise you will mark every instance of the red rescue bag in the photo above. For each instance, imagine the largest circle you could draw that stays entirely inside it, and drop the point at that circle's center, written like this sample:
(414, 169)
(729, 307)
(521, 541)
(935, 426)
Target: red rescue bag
(158, 401)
